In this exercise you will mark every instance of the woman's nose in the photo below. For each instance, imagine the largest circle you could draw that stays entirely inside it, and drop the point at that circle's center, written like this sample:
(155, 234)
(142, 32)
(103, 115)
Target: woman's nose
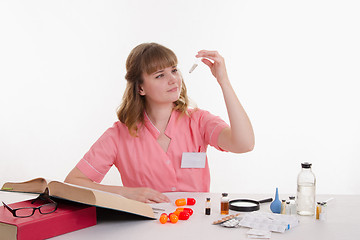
(172, 79)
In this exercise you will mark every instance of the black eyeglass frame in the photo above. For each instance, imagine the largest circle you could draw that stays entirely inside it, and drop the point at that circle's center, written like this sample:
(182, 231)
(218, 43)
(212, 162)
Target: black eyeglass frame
(43, 196)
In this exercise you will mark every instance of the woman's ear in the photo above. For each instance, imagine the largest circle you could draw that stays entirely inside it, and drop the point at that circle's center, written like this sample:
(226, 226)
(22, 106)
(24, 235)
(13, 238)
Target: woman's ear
(141, 91)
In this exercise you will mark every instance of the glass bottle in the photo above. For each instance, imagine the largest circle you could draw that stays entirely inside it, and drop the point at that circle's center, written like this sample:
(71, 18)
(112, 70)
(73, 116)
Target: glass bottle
(283, 206)
(287, 208)
(292, 205)
(323, 212)
(224, 204)
(306, 183)
(318, 210)
(207, 207)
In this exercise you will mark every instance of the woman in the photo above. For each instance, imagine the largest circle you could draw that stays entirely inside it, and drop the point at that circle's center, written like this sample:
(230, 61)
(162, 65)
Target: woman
(149, 144)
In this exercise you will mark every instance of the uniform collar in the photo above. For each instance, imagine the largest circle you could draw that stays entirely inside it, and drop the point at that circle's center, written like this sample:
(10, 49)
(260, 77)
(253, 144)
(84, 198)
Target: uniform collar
(169, 128)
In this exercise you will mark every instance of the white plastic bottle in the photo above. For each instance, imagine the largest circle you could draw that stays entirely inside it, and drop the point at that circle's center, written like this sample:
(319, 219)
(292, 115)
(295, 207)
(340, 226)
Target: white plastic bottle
(306, 183)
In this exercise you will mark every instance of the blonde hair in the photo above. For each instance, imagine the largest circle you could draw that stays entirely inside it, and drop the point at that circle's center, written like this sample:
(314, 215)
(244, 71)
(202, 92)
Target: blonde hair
(145, 58)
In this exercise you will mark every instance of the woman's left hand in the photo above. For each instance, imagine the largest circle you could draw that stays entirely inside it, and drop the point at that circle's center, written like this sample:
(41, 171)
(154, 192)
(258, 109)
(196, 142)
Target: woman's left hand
(217, 65)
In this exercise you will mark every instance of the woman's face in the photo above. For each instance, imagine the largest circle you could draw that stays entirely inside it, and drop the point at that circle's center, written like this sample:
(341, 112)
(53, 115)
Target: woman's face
(161, 87)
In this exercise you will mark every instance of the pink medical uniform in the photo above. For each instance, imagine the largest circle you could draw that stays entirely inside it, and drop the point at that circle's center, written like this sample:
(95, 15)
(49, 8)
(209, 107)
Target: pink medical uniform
(143, 163)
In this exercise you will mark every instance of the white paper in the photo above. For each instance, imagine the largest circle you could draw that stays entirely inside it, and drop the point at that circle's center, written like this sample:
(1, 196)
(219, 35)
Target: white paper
(259, 234)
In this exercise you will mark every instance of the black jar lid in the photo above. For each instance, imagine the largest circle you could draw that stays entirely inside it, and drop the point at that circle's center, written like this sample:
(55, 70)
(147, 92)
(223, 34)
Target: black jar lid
(306, 165)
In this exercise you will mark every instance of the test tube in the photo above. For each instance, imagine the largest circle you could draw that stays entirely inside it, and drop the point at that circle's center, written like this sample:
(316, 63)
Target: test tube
(196, 63)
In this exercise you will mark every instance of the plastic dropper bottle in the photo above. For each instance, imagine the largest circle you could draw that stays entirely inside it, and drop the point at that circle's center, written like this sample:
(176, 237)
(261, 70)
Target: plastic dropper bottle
(306, 183)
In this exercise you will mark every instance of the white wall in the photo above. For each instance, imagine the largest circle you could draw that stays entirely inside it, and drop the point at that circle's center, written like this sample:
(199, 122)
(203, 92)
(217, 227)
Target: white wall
(294, 65)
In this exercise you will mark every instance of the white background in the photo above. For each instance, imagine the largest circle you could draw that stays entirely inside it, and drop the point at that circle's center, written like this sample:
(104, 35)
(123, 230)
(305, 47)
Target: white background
(293, 64)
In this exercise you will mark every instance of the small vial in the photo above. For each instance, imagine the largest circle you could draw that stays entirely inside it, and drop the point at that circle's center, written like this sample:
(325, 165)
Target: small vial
(288, 208)
(318, 210)
(292, 205)
(283, 206)
(323, 212)
(207, 207)
(224, 204)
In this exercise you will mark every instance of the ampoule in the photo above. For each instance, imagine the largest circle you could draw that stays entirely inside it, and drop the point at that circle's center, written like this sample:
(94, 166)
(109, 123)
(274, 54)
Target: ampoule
(224, 204)
(207, 207)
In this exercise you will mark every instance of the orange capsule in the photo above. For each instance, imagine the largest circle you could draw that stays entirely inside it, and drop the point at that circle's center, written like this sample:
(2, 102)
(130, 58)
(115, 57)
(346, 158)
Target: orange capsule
(180, 202)
(163, 218)
(173, 218)
(187, 210)
(177, 212)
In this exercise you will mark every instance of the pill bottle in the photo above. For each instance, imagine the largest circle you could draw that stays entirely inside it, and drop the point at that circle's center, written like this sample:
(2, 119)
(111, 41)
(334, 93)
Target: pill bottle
(306, 183)
(207, 207)
(224, 205)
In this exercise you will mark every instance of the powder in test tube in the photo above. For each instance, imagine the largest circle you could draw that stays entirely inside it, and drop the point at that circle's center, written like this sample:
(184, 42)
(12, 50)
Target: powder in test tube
(193, 67)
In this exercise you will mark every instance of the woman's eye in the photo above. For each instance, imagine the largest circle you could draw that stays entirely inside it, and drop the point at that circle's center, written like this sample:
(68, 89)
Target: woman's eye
(159, 76)
(174, 70)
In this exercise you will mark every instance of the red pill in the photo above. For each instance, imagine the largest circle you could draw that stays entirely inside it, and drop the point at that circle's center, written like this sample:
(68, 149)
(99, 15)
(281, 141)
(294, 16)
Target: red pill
(180, 202)
(191, 201)
(189, 211)
(184, 216)
(163, 218)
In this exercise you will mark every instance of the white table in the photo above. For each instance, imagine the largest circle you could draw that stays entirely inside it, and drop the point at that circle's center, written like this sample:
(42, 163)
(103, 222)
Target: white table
(342, 221)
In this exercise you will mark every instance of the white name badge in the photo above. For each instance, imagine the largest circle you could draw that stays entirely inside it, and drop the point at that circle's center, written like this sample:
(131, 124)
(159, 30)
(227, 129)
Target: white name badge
(193, 160)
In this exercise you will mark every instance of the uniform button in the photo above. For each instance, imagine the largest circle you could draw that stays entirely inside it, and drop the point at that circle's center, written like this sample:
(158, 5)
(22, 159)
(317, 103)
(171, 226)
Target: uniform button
(173, 189)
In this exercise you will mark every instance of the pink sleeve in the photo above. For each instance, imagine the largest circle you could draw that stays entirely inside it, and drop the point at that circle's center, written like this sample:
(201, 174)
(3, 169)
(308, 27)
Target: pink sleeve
(211, 127)
(101, 156)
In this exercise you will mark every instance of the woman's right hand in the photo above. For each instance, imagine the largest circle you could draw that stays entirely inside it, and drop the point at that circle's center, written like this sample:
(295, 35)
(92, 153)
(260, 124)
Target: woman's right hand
(146, 195)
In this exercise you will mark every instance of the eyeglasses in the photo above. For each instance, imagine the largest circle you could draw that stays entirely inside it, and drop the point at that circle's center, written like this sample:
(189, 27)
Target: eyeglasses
(29, 211)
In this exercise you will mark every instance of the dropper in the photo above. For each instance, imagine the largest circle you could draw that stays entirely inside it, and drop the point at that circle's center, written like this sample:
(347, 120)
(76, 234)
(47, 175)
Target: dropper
(330, 199)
